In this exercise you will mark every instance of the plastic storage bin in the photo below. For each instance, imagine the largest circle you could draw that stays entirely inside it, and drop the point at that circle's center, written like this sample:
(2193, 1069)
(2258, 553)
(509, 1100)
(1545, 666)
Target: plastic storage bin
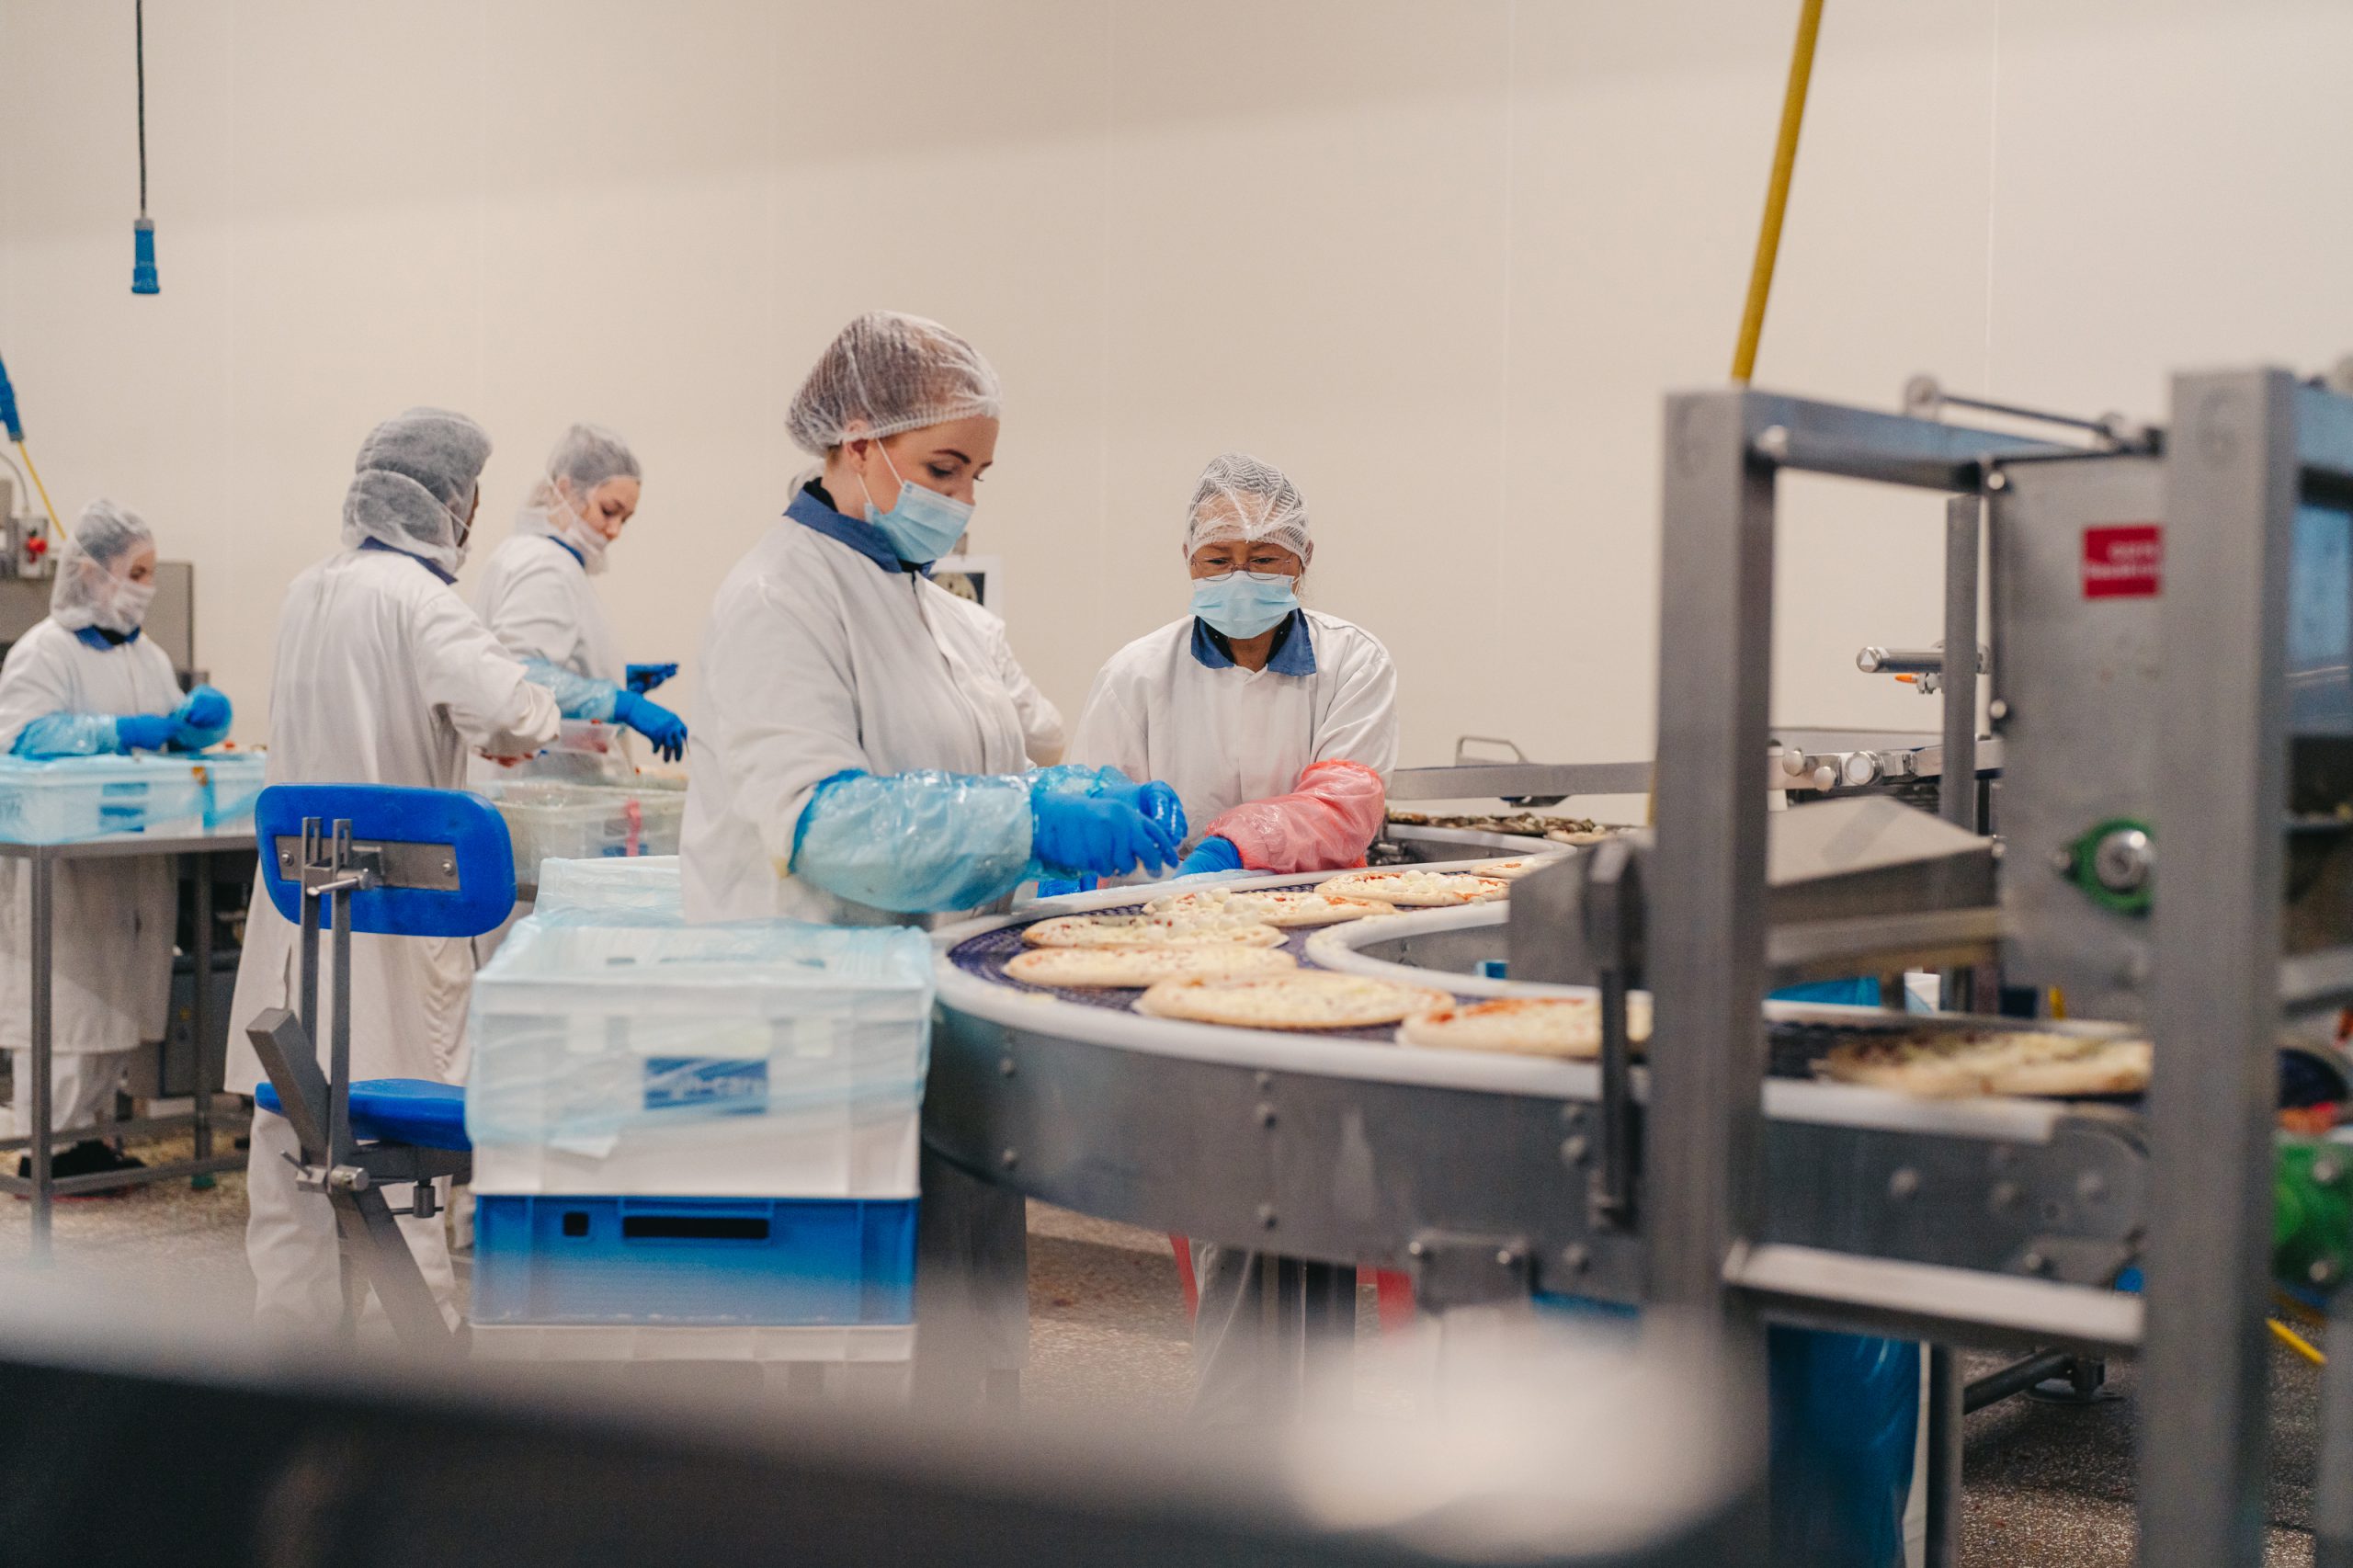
(551, 820)
(784, 1262)
(639, 888)
(763, 1059)
(70, 799)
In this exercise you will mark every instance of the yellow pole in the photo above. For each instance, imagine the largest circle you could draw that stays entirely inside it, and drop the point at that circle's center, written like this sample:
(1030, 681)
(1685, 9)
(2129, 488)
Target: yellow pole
(1776, 194)
(46, 504)
(2296, 1342)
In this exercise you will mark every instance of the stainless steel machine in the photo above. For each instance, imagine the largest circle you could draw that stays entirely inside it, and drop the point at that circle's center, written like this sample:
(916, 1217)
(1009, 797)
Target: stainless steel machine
(2171, 663)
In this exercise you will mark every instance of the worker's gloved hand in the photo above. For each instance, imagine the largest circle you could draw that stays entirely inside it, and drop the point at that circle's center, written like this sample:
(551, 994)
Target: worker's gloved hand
(1107, 837)
(1210, 855)
(1159, 803)
(665, 729)
(644, 678)
(1055, 887)
(144, 732)
(202, 719)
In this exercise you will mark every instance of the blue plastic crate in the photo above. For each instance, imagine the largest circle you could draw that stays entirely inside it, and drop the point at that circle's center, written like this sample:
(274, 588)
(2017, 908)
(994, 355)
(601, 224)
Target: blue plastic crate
(703, 1260)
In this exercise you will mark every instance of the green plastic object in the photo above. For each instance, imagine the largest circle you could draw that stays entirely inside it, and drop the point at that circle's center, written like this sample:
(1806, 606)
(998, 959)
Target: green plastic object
(2082, 869)
(2312, 1224)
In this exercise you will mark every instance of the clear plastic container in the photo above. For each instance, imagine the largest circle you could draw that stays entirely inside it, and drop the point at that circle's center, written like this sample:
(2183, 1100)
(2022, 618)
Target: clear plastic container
(551, 820)
(760, 1059)
(67, 800)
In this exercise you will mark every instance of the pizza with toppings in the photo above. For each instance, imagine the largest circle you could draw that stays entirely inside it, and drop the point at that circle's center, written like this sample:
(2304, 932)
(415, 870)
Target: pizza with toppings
(1085, 968)
(1992, 1061)
(1419, 890)
(1526, 1025)
(1311, 999)
(1284, 907)
(1176, 930)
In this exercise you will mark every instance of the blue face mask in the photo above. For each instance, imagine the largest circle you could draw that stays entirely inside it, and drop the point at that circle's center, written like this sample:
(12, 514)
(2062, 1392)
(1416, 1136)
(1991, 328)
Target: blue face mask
(1244, 604)
(922, 525)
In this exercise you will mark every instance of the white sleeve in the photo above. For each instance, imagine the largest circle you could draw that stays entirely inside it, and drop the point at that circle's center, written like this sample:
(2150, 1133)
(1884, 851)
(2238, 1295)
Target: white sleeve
(775, 678)
(462, 671)
(1110, 730)
(34, 683)
(532, 614)
(1360, 724)
(1042, 722)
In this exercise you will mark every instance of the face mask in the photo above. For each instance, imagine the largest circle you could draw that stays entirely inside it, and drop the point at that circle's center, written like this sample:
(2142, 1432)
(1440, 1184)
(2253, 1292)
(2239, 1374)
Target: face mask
(922, 525)
(575, 529)
(126, 610)
(1244, 604)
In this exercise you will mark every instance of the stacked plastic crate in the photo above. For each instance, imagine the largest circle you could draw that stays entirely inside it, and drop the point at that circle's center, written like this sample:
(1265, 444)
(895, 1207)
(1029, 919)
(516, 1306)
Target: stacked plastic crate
(70, 800)
(695, 1143)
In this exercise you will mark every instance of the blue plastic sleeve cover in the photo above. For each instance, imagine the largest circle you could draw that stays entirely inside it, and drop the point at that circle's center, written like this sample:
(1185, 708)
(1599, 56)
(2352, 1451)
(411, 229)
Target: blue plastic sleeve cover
(576, 696)
(917, 843)
(68, 734)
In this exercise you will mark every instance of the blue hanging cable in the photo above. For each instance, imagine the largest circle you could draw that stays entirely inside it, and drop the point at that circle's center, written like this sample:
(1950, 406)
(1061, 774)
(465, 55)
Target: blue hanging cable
(143, 233)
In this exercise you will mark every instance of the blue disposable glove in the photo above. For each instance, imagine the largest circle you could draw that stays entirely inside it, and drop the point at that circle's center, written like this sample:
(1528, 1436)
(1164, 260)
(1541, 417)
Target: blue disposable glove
(1159, 803)
(644, 678)
(144, 732)
(1211, 855)
(1098, 834)
(1055, 887)
(202, 719)
(665, 729)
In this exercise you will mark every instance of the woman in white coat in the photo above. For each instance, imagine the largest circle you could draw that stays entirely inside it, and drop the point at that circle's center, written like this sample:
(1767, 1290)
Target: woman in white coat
(1278, 725)
(383, 676)
(84, 683)
(859, 757)
(539, 597)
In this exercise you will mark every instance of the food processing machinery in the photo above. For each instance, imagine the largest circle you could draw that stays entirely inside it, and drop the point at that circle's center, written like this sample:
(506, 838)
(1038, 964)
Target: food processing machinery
(2171, 668)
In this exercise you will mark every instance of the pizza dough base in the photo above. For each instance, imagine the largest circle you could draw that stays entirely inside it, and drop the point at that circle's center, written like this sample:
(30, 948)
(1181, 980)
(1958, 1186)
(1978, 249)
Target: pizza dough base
(1565, 1026)
(1430, 890)
(2027, 1063)
(1131, 968)
(1513, 870)
(1307, 1000)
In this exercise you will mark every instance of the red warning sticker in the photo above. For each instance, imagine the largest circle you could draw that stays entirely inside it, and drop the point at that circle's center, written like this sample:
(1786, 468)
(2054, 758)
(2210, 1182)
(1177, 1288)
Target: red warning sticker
(2124, 560)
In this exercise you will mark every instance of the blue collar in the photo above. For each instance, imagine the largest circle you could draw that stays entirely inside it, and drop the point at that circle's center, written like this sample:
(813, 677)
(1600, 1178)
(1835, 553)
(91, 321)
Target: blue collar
(91, 637)
(395, 550)
(567, 549)
(1292, 654)
(863, 538)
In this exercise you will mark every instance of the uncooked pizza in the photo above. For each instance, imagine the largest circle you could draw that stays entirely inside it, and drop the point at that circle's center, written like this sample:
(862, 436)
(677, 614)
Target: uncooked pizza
(1992, 1061)
(1311, 999)
(1512, 871)
(1150, 931)
(1274, 906)
(1419, 890)
(1526, 1025)
(1083, 968)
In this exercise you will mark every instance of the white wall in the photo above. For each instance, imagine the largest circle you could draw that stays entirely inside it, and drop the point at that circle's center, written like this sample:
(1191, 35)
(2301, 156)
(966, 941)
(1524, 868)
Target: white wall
(1438, 258)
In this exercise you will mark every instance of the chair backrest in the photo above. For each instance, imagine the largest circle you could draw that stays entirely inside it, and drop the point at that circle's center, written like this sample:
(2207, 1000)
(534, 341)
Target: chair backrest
(444, 864)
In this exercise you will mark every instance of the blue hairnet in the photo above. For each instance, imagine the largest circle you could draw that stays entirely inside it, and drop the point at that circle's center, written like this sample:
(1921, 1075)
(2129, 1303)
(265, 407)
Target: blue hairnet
(414, 484)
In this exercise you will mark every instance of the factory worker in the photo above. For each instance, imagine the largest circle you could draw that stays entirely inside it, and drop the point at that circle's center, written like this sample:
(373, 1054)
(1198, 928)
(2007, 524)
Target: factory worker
(859, 759)
(538, 598)
(1278, 725)
(84, 683)
(383, 675)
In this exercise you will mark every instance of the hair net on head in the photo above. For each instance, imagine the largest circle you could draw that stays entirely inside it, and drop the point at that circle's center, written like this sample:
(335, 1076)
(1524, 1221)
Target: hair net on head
(889, 372)
(413, 483)
(1241, 498)
(586, 457)
(90, 589)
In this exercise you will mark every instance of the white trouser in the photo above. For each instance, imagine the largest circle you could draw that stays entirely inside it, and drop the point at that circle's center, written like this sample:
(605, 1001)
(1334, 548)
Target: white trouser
(290, 1239)
(81, 1089)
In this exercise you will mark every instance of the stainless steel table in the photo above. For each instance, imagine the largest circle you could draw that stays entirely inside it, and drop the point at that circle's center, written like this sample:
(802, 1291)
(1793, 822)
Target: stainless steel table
(42, 1186)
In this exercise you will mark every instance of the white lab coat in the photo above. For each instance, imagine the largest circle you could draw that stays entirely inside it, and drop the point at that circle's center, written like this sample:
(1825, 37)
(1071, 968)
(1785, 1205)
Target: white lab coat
(111, 948)
(817, 660)
(1222, 737)
(383, 676)
(537, 599)
(1043, 736)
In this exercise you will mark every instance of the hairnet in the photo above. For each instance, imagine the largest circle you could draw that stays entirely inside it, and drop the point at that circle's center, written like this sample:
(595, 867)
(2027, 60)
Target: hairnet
(889, 372)
(1241, 498)
(87, 590)
(414, 484)
(588, 455)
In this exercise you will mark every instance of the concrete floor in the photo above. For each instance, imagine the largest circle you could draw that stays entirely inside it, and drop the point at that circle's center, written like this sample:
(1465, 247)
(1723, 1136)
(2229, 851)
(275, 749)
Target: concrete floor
(2048, 1486)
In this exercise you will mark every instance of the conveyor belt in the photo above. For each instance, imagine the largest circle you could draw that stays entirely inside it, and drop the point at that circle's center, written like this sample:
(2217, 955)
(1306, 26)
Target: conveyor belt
(1348, 1148)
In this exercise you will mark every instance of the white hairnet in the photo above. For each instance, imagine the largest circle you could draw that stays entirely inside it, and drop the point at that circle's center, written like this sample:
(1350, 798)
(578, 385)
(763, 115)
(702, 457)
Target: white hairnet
(88, 590)
(1241, 498)
(414, 484)
(586, 457)
(889, 372)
